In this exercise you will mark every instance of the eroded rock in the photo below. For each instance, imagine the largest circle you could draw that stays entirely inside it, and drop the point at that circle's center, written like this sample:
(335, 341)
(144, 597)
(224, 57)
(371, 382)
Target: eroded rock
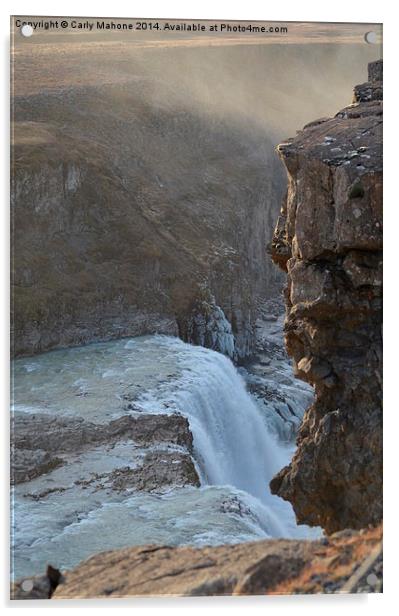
(329, 241)
(26, 464)
(42, 442)
(159, 469)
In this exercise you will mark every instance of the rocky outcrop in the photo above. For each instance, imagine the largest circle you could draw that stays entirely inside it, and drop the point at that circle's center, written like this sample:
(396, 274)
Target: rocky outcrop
(26, 464)
(41, 443)
(346, 562)
(329, 241)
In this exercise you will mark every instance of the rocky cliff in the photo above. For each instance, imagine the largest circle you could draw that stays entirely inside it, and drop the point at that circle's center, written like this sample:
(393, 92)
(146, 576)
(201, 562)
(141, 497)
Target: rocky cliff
(329, 241)
(145, 184)
(134, 216)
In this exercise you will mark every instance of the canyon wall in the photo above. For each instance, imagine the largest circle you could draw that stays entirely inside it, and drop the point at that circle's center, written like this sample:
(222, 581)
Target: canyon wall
(328, 239)
(130, 217)
(145, 183)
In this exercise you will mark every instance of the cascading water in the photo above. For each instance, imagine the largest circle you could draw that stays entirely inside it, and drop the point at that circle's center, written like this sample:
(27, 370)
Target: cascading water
(58, 520)
(231, 439)
(208, 327)
(232, 442)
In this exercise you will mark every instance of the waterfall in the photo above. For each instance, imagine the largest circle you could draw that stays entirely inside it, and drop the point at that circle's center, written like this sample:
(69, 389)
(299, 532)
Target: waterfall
(235, 452)
(232, 442)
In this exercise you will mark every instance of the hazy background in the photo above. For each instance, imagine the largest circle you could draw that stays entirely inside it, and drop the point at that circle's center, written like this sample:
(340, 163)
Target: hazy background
(272, 81)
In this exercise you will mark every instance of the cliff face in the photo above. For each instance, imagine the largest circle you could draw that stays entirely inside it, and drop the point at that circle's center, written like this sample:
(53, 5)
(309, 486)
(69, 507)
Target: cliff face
(329, 241)
(127, 211)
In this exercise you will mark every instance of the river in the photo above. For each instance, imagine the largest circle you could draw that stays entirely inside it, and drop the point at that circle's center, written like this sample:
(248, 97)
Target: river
(236, 449)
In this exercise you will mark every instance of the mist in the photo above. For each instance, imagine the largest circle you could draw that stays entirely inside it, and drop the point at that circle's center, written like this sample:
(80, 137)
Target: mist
(273, 87)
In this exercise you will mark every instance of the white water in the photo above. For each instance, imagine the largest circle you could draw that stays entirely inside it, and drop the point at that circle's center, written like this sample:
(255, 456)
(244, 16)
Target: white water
(282, 398)
(231, 439)
(234, 449)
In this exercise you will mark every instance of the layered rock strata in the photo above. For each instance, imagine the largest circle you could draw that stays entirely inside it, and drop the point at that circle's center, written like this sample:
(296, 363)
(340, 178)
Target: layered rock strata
(328, 239)
(41, 443)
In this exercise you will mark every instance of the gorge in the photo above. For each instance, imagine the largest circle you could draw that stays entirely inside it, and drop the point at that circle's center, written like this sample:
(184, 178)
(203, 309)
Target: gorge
(150, 380)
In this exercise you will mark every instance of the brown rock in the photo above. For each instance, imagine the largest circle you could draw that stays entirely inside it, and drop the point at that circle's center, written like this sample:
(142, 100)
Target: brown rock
(262, 567)
(329, 240)
(238, 569)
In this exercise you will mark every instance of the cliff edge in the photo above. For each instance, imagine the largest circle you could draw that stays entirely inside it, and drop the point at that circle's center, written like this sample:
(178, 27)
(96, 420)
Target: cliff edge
(328, 239)
(348, 562)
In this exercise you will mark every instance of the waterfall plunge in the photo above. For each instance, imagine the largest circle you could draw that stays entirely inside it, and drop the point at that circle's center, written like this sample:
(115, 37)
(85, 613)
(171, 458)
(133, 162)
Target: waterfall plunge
(231, 439)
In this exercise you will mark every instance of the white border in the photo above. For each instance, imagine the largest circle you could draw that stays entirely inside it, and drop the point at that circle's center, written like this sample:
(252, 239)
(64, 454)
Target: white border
(367, 11)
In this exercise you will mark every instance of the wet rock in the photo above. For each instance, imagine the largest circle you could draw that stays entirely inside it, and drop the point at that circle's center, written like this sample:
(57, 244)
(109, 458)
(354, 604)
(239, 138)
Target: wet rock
(39, 440)
(26, 464)
(53, 434)
(159, 470)
(269, 376)
(329, 241)
(147, 429)
(234, 505)
(208, 326)
(39, 496)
